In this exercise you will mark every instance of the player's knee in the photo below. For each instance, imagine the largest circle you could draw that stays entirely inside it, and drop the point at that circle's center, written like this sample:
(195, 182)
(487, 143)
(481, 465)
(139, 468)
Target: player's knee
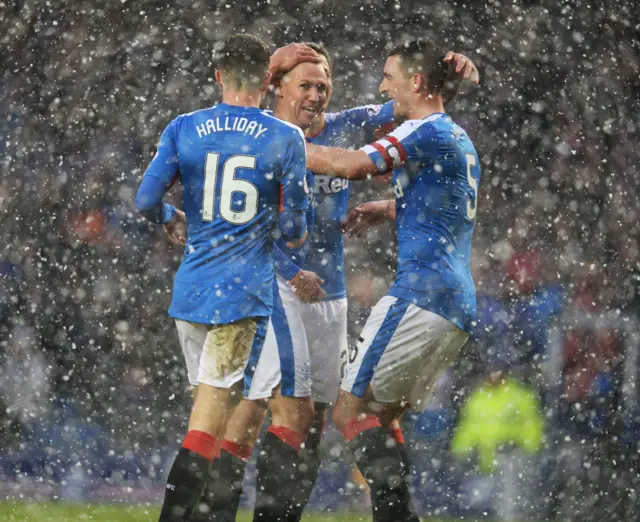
(304, 416)
(341, 414)
(295, 413)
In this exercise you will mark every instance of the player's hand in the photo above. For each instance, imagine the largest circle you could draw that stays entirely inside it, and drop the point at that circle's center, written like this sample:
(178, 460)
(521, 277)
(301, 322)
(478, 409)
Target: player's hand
(368, 215)
(299, 242)
(286, 58)
(176, 229)
(464, 66)
(308, 286)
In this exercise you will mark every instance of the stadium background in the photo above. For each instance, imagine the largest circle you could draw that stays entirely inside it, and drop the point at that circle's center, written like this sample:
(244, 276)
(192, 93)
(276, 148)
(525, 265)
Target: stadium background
(92, 386)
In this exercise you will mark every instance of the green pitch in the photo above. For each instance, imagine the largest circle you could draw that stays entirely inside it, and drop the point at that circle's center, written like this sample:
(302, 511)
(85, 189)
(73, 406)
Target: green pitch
(63, 512)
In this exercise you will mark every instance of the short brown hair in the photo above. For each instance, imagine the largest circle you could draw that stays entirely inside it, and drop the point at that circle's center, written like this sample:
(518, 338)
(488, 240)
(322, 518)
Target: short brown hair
(245, 58)
(424, 57)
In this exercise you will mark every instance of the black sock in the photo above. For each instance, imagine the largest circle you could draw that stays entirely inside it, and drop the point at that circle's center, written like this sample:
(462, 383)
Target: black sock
(185, 483)
(276, 474)
(308, 469)
(381, 465)
(221, 497)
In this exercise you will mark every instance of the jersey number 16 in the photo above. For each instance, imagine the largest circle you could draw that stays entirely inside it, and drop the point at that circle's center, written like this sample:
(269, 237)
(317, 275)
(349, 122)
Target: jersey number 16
(229, 185)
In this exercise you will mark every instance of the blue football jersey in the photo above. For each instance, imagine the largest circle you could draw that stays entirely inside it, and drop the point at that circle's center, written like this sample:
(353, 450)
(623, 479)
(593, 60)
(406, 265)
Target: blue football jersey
(323, 252)
(435, 180)
(238, 167)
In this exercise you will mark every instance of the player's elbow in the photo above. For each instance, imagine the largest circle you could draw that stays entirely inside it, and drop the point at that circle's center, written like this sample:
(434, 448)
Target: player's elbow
(143, 202)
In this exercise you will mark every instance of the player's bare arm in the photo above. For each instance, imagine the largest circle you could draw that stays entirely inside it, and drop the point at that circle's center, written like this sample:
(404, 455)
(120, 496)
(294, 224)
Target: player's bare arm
(340, 163)
(369, 215)
(461, 68)
(464, 67)
(286, 58)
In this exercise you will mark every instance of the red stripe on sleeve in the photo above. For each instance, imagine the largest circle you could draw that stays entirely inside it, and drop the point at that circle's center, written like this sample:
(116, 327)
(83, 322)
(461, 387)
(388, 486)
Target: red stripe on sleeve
(281, 198)
(385, 155)
(398, 145)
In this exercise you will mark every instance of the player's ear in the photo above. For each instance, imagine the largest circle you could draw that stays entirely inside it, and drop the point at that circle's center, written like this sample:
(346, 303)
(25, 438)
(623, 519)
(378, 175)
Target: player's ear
(266, 81)
(219, 78)
(417, 82)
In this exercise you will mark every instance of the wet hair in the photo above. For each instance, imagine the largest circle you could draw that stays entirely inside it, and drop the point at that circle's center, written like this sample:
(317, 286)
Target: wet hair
(245, 58)
(424, 57)
(321, 49)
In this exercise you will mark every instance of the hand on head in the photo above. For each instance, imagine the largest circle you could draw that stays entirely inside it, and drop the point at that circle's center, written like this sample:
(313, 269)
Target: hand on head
(464, 66)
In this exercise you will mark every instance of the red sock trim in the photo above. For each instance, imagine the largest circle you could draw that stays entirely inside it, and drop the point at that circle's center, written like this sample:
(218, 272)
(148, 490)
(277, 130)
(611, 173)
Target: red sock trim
(201, 443)
(288, 436)
(355, 427)
(396, 434)
(237, 450)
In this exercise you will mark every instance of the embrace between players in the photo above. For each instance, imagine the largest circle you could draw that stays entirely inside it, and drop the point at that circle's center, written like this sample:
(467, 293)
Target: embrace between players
(259, 299)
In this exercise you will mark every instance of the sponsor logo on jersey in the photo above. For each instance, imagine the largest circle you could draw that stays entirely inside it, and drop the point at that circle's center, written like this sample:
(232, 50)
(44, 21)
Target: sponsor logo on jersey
(330, 185)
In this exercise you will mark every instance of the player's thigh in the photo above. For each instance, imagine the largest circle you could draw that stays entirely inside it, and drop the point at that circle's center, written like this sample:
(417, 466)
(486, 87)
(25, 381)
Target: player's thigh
(231, 350)
(291, 340)
(365, 355)
(326, 326)
(192, 337)
(212, 408)
(262, 379)
(422, 346)
(401, 350)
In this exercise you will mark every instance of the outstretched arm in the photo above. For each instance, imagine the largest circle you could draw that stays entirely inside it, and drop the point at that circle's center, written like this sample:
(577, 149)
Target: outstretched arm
(340, 163)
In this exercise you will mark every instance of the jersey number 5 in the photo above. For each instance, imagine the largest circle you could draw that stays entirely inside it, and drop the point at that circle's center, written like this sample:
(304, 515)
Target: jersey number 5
(471, 210)
(229, 186)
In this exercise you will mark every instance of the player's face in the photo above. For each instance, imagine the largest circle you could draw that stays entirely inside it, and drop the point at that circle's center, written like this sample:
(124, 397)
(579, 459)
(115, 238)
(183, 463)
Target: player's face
(304, 94)
(395, 85)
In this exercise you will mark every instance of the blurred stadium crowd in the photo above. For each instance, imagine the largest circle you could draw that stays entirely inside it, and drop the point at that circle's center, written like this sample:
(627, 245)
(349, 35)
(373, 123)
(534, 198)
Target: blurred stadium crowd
(90, 367)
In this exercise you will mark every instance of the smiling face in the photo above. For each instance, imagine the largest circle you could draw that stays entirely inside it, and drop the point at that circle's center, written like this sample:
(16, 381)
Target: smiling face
(397, 85)
(304, 94)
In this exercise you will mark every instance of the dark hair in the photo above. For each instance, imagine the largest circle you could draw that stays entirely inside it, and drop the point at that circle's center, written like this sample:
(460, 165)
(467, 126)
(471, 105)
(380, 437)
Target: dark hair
(424, 57)
(320, 49)
(244, 57)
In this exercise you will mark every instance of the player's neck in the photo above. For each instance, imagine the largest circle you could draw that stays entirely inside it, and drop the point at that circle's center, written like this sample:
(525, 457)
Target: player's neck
(317, 125)
(426, 107)
(242, 97)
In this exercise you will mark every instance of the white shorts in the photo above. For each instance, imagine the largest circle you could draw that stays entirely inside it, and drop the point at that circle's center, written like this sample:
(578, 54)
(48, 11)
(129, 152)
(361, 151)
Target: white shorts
(221, 355)
(401, 352)
(303, 348)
